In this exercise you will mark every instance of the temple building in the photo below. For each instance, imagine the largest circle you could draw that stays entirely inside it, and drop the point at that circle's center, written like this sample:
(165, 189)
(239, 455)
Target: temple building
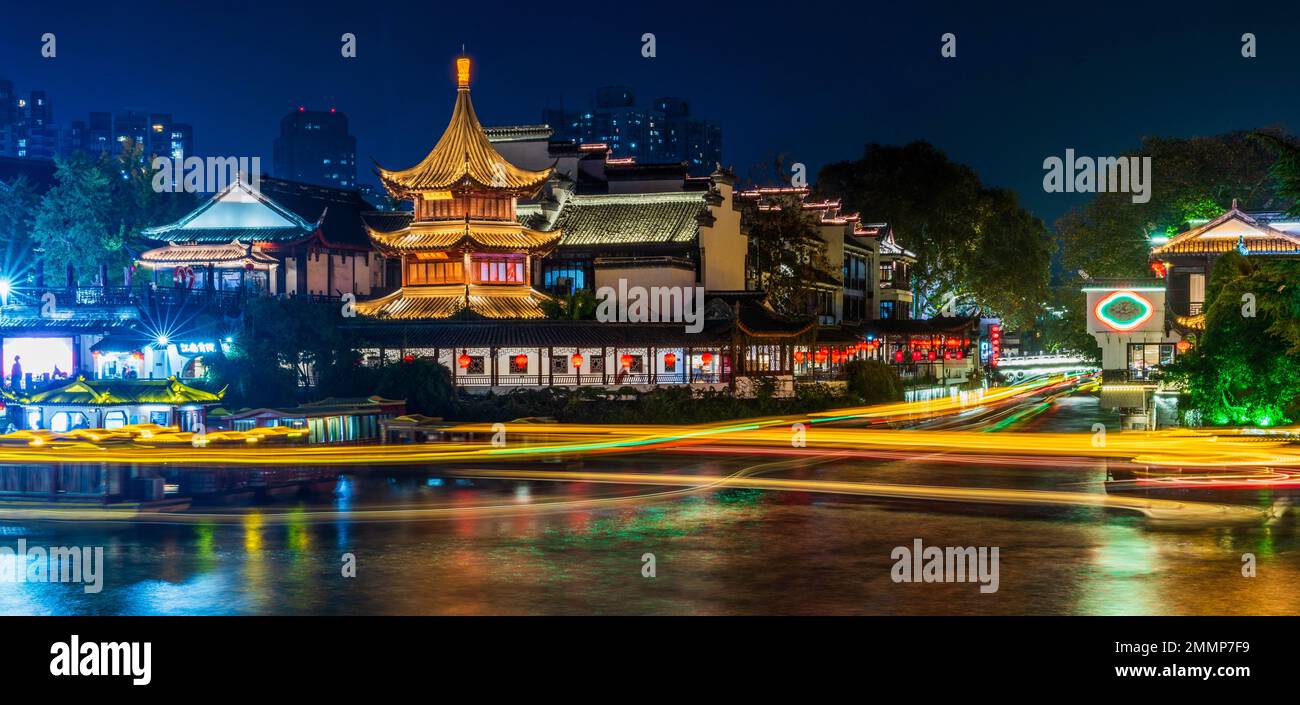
(489, 241)
(275, 237)
(463, 248)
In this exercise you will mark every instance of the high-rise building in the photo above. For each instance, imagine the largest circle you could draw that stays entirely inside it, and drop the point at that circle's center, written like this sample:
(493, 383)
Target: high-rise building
(28, 129)
(99, 134)
(663, 133)
(315, 147)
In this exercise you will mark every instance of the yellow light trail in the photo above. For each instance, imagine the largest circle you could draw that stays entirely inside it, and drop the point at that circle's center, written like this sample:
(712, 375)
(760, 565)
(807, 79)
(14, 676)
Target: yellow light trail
(1177, 448)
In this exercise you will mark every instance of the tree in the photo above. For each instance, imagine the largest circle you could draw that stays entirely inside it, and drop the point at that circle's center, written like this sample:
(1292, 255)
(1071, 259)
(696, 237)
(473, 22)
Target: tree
(1245, 368)
(1286, 168)
(971, 241)
(71, 227)
(134, 202)
(786, 255)
(18, 203)
(874, 381)
(579, 305)
(1191, 178)
(424, 384)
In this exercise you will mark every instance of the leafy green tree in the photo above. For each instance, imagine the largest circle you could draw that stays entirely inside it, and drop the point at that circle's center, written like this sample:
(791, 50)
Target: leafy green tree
(72, 226)
(579, 305)
(874, 381)
(424, 384)
(1286, 167)
(18, 203)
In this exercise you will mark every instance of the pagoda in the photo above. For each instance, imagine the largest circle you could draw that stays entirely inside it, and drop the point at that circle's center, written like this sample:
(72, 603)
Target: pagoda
(464, 253)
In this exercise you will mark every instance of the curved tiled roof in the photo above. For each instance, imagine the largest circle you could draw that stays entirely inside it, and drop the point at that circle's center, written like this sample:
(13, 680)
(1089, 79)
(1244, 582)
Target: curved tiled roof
(621, 219)
(83, 392)
(435, 302)
(464, 157)
(478, 236)
(233, 251)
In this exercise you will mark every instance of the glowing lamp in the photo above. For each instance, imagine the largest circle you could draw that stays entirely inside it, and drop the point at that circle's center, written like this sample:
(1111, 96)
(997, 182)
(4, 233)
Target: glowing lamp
(462, 72)
(625, 360)
(670, 359)
(411, 358)
(706, 358)
(576, 360)
(916, 355)
(820, 356)
(463, 361)
(898, 356)
(798, 356)
(521, 360)
(1183, 346)
(932, 355)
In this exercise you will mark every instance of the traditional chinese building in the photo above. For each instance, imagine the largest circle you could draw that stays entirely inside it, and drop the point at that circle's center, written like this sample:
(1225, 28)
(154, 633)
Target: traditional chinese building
(1185, 261)
(110, 404)
(463, 249)
(273, 236)
(488, 241)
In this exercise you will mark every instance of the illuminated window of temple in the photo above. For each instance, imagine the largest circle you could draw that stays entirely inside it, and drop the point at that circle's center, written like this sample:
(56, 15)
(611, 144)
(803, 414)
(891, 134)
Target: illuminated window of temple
(439, 272)
(499, 269)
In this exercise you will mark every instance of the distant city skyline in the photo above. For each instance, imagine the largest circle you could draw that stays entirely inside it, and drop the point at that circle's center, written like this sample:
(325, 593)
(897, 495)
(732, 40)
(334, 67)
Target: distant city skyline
(31, 128)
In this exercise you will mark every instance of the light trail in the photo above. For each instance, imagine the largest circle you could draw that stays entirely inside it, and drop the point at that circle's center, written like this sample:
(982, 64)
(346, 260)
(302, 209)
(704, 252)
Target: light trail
(1160, 510)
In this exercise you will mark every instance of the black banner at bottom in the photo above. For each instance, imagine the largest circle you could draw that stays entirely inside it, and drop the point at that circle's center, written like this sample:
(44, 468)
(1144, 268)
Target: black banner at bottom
(255, 655)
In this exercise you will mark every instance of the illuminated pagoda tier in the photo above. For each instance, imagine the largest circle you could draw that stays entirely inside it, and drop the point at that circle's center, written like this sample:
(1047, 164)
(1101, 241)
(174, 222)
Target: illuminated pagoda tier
(464, 252)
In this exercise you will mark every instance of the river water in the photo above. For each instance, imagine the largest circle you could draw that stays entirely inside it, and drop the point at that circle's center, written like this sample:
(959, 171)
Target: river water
(729, 551)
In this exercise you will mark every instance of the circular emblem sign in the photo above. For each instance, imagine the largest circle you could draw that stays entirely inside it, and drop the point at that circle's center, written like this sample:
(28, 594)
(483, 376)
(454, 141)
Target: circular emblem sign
(1124, 310)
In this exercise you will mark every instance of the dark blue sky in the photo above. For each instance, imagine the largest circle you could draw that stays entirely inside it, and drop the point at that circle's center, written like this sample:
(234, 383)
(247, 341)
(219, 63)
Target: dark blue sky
(812, 80)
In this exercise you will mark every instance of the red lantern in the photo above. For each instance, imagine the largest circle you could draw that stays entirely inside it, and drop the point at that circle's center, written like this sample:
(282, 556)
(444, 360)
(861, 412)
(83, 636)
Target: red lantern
(932, 355)
(576, 360)
(916, 355)
(820, 356)
(959, 354)
(463, 360)
(411, 358)
(798, 356)
(626, 361)
(670, 359)
(521, 360)
(1183, 346)
(706, 358)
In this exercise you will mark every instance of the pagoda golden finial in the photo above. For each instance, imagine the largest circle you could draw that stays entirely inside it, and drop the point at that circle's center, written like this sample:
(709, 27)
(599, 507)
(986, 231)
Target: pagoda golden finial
(462, 72)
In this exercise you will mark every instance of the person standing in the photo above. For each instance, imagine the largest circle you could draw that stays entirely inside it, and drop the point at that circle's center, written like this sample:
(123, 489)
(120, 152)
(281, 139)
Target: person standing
(16, 372)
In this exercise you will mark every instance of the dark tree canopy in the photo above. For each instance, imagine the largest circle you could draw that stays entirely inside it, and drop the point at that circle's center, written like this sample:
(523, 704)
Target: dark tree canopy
(964, 233)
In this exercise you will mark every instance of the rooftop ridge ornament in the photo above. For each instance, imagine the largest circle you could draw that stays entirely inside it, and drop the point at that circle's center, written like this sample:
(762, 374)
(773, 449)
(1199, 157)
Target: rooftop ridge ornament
(464, 158)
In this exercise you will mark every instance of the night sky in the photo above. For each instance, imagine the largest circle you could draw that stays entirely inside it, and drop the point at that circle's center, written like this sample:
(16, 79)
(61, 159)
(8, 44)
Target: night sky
(811, 80)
